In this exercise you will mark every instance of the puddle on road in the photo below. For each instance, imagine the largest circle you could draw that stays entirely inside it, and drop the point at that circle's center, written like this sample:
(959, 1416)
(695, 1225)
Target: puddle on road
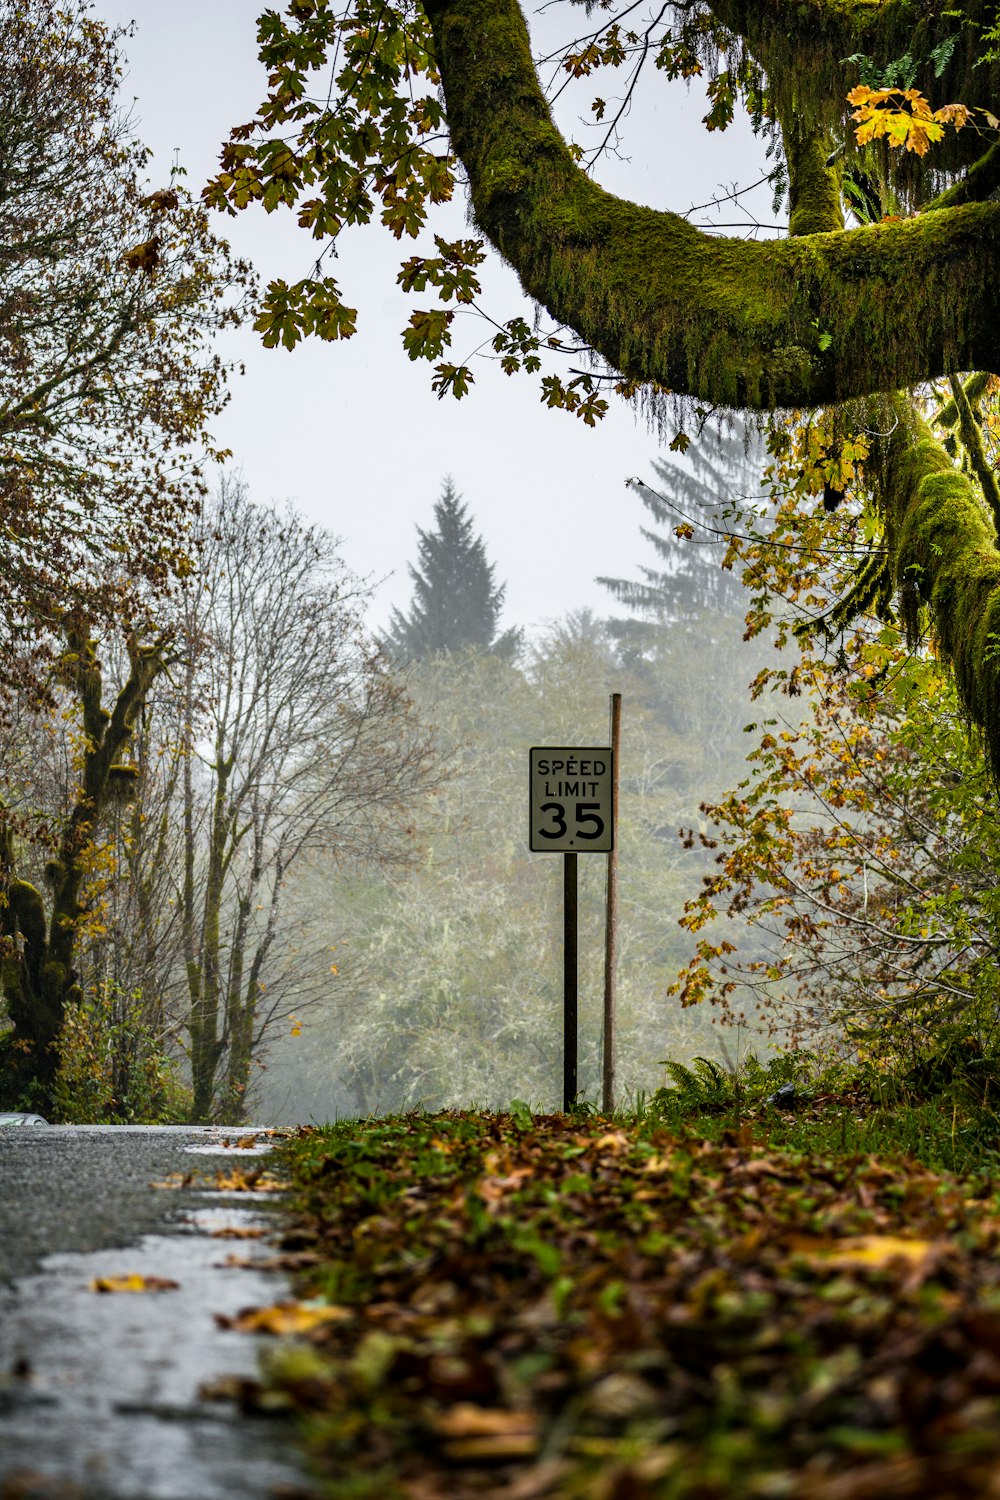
(218, 1220)
(100, 1393)
(219, 1148)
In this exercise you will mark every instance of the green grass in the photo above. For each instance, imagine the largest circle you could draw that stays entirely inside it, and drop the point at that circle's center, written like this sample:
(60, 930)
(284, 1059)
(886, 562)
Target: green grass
(942, 1118)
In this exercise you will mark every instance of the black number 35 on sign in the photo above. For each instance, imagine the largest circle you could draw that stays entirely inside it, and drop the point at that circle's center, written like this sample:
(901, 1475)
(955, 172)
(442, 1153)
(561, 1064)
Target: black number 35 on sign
(571, 799)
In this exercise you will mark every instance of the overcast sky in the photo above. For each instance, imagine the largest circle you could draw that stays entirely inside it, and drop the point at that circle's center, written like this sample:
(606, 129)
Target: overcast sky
(351, 433)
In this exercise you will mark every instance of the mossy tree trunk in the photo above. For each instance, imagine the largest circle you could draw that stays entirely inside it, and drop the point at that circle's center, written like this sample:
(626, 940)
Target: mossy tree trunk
(40, 933)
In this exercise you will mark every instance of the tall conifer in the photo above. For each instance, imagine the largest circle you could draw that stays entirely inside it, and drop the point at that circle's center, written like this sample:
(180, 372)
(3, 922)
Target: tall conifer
(693, 507)
(456, 602)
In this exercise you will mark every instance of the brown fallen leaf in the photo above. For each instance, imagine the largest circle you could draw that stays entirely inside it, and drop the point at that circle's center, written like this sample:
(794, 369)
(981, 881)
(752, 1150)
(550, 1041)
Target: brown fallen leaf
(235, 1233)
(467, 1420)
(486, 1434)
(616, 1141)
(175, 1180)
(133, 1283)
(499, 1449)
(479, 1434)
(294, 1260)
(257, 1181)
(284, 1318)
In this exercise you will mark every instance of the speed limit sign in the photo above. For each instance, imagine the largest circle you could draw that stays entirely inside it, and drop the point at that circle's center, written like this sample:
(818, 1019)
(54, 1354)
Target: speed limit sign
(572, 801)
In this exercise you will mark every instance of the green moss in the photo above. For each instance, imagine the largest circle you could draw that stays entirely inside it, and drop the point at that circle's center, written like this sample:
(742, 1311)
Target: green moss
(975, 389)
(814, 188)
(53, 980)
(819, 319)
(972, 441)
(28, 910)
(944, 546)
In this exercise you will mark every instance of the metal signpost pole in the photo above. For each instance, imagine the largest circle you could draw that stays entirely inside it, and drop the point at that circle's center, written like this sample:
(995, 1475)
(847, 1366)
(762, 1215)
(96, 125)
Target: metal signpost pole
(611, 922)
(570, 991)
(571, 812)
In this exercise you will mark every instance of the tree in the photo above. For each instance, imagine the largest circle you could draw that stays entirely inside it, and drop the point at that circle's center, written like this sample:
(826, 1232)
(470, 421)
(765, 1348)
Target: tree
(40, 937)
(109, 294)
(861, 855)
(860, 850)
(161, 806)
(832, 315)
(294, 744)
(456, 603)
(683, 641)
(693, 509)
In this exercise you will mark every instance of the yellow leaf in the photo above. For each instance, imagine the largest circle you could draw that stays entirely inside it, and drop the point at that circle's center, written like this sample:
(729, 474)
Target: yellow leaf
(285, 1318)
(257, 1181)
(873, 1252)
(133, 1283)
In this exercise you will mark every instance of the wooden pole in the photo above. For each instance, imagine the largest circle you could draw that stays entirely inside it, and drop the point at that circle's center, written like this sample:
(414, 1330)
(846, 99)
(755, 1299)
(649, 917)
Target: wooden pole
(611, 920)
(569, 981)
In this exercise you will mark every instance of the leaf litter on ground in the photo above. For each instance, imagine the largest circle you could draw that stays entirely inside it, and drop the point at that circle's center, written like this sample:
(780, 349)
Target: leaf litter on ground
(558, 1307)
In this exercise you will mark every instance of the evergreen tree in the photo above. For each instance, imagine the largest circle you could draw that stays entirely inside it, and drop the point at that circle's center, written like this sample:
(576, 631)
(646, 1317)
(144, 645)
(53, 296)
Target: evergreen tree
(683, 637)
(695, 506)
(456, 604)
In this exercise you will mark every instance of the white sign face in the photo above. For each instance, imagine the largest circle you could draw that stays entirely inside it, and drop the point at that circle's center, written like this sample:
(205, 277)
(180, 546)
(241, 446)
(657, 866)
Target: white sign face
(571, 801)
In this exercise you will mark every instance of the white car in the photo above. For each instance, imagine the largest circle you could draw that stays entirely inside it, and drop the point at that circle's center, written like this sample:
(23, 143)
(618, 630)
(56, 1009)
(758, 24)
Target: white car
(12, 1119)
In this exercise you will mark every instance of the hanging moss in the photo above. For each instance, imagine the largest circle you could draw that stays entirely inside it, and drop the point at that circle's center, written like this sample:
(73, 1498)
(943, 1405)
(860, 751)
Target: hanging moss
(972, 442)
(813, 186)
(123, 781)
(805, 47)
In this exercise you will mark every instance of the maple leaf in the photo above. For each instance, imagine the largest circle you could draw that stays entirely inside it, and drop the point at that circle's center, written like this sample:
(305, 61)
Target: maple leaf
(285, 1318)
(133, 1283)
(903, 117)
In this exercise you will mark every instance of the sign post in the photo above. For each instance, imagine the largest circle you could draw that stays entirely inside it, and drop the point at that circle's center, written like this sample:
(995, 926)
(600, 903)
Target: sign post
(611, 925)
(570, 987)
(571, 812)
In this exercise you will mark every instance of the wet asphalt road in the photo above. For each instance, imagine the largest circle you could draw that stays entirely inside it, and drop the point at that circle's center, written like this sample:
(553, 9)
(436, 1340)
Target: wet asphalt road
(99, 1394)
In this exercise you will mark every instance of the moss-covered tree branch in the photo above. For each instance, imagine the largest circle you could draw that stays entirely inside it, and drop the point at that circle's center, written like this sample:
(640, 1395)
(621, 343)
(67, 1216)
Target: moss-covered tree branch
(733, 322)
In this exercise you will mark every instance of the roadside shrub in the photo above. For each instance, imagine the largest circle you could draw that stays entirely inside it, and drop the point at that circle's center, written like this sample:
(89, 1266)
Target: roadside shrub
(113, 1065)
